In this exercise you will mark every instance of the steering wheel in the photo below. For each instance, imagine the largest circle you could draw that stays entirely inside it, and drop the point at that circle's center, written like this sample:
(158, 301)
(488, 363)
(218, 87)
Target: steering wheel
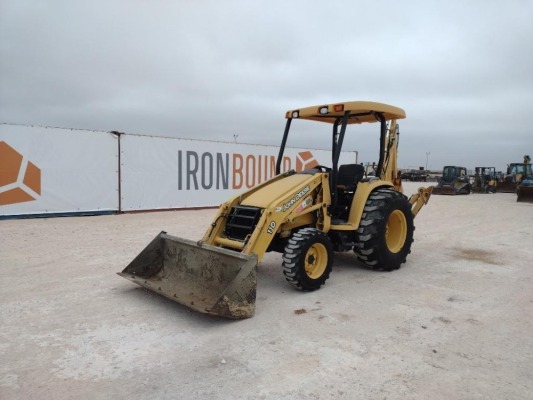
(322, 168)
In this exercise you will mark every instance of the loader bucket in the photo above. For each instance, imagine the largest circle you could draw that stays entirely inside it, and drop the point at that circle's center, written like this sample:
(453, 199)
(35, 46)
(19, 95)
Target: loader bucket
(447, 190)
(525, 194)
(506, 187)
(205, 278)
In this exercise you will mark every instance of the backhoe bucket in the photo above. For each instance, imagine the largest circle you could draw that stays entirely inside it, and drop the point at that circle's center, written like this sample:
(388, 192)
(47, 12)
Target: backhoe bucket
(205, 278)
(525, 194)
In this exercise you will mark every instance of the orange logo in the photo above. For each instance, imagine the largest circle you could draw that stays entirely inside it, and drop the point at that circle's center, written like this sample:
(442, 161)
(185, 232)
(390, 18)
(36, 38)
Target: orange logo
(20, 179)
(305, 160)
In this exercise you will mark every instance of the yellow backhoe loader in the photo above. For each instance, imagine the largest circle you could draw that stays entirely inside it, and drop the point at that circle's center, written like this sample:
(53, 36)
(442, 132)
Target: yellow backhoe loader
(306, 216)
(516, 172)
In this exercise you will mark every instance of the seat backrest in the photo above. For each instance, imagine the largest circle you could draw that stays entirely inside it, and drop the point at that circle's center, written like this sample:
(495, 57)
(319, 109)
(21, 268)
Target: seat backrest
(349, 175)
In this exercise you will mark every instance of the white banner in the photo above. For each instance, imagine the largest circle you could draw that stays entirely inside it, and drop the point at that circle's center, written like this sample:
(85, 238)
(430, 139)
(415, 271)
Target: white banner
(57, 171)
(162, 173)
(62, 171)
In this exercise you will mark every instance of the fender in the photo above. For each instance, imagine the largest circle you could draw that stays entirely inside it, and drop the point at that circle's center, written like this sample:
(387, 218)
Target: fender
(361, 196)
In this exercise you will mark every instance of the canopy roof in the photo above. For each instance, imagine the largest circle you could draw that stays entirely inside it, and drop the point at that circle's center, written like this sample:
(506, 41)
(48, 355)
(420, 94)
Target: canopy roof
(360, 111)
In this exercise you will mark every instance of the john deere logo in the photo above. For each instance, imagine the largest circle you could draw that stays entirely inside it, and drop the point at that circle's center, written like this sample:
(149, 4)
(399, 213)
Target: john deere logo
(305, 160)
(20, 179)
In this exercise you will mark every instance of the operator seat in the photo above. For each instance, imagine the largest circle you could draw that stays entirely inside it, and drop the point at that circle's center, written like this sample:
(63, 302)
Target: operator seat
(348, 176)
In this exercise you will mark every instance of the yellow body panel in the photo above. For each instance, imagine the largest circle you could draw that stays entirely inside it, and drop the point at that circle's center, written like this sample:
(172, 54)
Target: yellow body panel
(291, 209)
(361, 196)
(282, 187)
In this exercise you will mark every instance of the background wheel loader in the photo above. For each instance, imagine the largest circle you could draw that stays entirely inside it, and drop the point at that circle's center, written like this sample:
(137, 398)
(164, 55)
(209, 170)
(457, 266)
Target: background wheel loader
(306, 216)
(454, 181)
(514, 175)
(519, 180)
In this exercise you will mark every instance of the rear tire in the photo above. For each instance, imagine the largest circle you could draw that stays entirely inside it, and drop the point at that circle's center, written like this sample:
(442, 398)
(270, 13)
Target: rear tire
(307, 259)
(385, 232)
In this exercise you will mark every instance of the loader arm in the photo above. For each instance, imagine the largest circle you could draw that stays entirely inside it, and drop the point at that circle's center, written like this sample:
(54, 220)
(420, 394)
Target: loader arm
(284, 203)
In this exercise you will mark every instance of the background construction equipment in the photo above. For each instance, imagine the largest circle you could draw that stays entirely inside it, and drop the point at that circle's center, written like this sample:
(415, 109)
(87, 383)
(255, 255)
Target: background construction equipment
(454, 181)
(485, 180)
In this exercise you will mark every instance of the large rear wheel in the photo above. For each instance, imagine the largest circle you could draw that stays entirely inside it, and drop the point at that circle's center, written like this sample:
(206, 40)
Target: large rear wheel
(307, 259)
(386, 230)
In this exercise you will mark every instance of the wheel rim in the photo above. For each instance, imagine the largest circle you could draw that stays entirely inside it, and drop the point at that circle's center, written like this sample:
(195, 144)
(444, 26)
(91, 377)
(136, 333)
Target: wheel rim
(316, 260)
(396, 231)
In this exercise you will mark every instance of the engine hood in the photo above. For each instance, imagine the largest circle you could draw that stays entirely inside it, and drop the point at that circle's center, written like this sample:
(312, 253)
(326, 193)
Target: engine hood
(278, 190)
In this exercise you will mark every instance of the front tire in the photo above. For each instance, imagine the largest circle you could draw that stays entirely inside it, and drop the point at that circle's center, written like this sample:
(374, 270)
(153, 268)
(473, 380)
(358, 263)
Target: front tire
(385, 232)
(307, 259)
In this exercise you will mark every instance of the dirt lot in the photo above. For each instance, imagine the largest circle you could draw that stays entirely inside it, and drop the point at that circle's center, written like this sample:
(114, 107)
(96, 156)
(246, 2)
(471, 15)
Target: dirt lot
(455, 322)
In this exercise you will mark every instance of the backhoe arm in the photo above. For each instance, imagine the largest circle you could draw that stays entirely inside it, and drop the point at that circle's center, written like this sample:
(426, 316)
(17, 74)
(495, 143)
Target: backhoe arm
(389, 170)
(420, 199)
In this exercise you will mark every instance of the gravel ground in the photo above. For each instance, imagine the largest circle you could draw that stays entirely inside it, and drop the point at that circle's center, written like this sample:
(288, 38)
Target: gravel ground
(455, 322)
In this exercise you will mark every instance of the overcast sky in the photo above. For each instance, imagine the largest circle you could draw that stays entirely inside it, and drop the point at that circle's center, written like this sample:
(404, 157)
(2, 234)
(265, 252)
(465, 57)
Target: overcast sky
(462, 70)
